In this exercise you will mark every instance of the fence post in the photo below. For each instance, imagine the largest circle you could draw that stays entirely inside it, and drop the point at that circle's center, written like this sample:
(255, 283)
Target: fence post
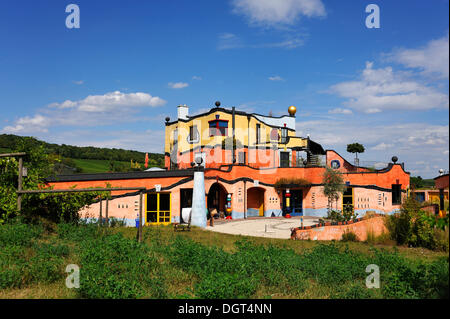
(140, 217)
(100, 219)
(106, 212)
(19, 187)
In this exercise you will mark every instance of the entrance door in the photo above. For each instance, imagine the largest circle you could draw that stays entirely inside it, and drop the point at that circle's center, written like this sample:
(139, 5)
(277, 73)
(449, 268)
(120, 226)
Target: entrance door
(217, 198)
(255, 202)
(158, 208)
(296, 203)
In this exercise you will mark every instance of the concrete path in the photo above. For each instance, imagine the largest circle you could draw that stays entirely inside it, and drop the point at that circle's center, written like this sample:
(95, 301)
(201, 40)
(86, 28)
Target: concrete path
(261, 227)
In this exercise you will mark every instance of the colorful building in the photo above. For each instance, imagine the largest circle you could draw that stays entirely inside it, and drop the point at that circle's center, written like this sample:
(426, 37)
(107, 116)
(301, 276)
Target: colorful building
(256, 160)
(441, 183)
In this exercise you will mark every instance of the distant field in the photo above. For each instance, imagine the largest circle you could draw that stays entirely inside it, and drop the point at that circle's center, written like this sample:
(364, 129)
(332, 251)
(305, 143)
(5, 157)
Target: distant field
(96, 166)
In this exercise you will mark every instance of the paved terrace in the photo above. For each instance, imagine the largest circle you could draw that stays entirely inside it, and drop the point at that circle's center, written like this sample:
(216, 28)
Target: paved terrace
(273, 227)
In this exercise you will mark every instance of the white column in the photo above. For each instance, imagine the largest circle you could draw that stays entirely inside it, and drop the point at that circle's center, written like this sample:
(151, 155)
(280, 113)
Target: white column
(198, 217)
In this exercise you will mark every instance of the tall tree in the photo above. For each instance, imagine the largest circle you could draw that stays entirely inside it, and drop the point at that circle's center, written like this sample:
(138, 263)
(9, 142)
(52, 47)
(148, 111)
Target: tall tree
(333, 185)
(355, 148)
(54, 207)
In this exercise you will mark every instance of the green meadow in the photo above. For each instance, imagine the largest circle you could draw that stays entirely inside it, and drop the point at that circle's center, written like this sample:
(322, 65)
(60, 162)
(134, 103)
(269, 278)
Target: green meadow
(204, 264)
(97, 166)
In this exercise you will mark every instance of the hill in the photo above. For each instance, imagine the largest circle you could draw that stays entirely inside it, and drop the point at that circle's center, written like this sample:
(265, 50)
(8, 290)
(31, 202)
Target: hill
(87, 159)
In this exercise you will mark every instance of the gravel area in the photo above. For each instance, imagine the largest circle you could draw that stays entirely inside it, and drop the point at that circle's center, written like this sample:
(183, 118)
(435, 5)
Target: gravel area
(261, 227)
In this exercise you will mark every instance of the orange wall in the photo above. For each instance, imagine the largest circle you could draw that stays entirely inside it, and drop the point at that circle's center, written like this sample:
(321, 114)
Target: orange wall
(345, 165)
(314, 175)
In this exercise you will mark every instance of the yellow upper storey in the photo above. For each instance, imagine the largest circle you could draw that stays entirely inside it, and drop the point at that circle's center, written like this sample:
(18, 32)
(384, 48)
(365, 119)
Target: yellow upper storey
(251, 130)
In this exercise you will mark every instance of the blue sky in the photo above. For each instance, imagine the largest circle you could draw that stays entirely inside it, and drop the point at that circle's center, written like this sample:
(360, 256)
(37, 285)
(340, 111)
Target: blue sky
(113, 81)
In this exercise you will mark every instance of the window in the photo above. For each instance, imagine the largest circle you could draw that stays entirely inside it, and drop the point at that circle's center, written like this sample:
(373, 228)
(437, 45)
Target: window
(335, 164)
(284, 135)
(241, 158)
(175, 136)
(396, 194)
(193, 133)
(258, 133)
(218, 128)
(284, 159)
(347, 198)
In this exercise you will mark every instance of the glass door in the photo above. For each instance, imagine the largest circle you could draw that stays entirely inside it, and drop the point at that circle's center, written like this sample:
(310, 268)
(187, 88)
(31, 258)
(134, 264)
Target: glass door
(158, 208)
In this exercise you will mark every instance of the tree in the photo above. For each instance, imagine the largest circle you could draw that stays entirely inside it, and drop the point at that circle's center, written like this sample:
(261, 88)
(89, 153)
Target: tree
(333, 185)
(417, 182)
(355, 148)
(53, 207)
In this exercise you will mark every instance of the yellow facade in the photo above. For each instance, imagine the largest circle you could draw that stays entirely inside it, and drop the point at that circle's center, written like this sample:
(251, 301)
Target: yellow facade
(245, 132)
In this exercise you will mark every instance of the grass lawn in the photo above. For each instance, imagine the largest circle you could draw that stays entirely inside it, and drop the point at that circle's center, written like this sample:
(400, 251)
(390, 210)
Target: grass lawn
(204, 264)
(227, 241)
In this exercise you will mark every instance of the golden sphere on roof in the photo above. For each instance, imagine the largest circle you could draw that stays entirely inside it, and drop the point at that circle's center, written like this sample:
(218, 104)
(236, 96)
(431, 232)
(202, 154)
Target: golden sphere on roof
(292, 110)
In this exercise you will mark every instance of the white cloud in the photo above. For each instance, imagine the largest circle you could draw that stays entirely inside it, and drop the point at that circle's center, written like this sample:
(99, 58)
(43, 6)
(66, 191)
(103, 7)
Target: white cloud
(383, 89)
(382, 147)
(229, 41)
(432, 59)
(94, 110)
(37, 123)
(280, 12)
(195, 77)
(291, 40)
(410, 141)
(178, 85)
(78, 82)
(275, 78)
(339, 110)
(111, 101)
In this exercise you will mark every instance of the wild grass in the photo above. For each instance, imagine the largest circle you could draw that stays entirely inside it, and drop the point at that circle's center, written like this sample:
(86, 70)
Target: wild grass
(202, 264)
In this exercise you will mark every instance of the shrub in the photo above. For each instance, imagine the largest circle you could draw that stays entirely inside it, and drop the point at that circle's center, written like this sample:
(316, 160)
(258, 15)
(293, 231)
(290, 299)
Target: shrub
(355, 291)
(21, 266)
(348, 213)
(222, 285)
(383, 238)
(349, 236)
(335, 216)
(116, 267)
(116, 222)
(198, 258)
(79, 231)
(283, 182)
(17, 233)
(395, 287)
(415, 227)
(331, 266)
(441, 239)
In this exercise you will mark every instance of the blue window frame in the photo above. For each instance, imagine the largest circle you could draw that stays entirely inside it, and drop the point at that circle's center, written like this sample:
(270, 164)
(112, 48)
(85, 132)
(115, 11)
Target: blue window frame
(218, 128)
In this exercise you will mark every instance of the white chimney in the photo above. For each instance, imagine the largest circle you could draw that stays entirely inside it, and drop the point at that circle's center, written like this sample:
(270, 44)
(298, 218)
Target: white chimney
(183, 112)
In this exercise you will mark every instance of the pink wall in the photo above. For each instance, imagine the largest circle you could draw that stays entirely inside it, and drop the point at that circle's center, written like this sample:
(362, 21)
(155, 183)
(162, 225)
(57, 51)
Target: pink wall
(361, 229)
